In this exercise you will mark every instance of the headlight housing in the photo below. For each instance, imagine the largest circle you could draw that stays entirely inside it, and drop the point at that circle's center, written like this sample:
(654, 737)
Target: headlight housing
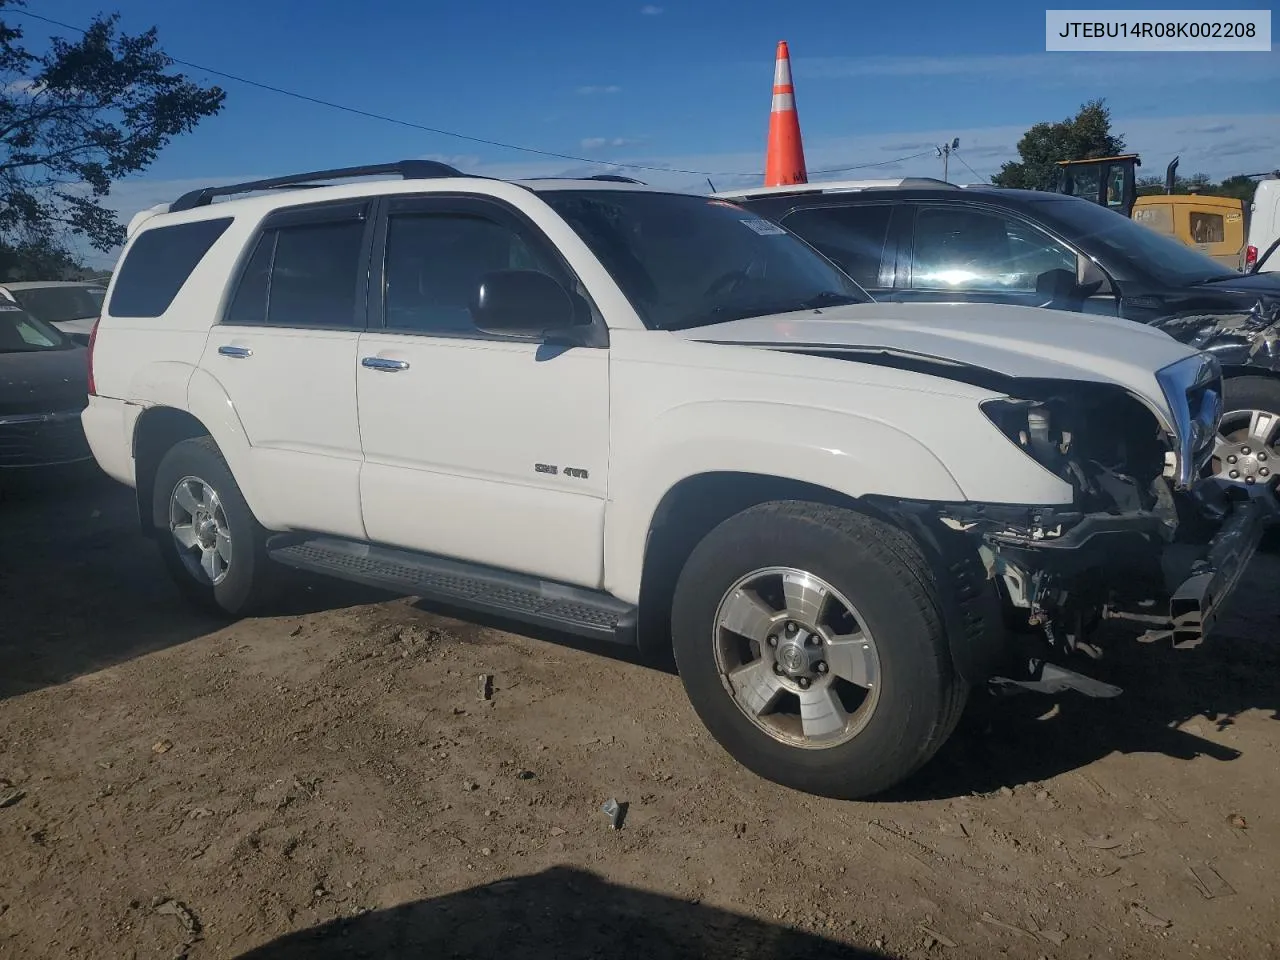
(1193, 390)
(1099, 438)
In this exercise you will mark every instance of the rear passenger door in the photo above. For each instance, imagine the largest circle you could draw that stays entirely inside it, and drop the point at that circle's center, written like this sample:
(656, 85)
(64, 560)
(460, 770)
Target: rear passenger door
(285, 353)
(966, 253)
(857, 237)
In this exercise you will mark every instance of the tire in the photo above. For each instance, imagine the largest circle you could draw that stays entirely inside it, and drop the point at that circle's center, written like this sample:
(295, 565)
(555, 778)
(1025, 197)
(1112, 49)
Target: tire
(916, 698)
(247, 582)
(1256, 393)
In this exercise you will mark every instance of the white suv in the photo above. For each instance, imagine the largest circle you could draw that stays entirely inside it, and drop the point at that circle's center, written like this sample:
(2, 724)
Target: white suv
(658, 419)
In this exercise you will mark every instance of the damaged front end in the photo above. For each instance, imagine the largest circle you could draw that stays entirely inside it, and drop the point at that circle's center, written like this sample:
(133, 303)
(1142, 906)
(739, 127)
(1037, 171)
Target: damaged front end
(1147, 539)
(1236, 338)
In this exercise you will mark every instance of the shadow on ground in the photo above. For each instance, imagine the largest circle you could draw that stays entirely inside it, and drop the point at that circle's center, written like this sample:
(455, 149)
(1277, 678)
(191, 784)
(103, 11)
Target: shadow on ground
(82, 589)
(1029, 738)
(554, 915)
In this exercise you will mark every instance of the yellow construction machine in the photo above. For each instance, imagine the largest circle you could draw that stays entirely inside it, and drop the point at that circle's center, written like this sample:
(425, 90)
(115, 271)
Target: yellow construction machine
(1214, 225)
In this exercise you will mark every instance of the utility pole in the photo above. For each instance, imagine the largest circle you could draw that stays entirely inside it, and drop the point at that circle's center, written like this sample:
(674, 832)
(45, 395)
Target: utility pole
(945, 152)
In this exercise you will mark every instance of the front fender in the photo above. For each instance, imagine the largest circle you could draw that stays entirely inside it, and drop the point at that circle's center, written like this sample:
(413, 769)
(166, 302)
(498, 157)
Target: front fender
(849, 454)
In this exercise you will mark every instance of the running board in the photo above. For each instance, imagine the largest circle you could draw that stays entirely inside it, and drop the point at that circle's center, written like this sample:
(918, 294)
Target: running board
(540, 603)
(1055, 679)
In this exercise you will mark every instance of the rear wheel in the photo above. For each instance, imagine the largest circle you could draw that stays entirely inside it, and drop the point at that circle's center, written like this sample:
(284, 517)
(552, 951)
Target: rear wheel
(211, 543)
(809, 640)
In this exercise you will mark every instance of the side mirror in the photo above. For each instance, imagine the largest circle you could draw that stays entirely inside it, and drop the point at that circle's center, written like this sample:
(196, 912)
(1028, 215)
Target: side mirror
(522, 303)
(1091, 279)
(1056, 287)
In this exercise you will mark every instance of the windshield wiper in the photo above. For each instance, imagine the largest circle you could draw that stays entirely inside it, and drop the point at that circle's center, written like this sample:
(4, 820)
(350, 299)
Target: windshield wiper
(828, 298)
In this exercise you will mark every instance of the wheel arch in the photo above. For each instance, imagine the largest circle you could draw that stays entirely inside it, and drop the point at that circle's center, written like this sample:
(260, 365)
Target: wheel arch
(693, 507)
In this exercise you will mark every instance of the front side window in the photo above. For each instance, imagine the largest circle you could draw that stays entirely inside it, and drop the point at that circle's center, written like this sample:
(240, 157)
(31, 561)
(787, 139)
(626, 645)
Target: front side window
(302, 276)
(434, 263)
(61, 304)
(963, 248)
(688, 261)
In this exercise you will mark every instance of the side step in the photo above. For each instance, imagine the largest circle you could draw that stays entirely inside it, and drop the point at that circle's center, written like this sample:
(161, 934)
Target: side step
(530, 600)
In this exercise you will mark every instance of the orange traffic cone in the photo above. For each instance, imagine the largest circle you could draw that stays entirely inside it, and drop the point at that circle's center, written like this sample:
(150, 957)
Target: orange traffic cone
(784, 161)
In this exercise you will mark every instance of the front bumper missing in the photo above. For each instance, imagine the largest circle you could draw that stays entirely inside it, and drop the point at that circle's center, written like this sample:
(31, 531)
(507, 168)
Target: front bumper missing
(1196, 603)
(1192, 581)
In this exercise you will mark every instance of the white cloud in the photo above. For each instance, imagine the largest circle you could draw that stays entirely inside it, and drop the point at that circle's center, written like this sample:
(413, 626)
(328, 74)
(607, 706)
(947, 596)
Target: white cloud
(1240, 143)
(1053, 69)
(596, 143)
(649, 10)
(588, 91)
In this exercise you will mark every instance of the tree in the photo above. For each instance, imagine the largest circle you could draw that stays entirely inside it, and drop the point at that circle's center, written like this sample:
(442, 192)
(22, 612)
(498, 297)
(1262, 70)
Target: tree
(75, 119)
(1085, 136)
(1241, 186)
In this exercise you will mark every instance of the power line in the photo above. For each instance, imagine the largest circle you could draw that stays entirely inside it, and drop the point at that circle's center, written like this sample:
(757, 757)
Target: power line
(966, 165)
(368, 114)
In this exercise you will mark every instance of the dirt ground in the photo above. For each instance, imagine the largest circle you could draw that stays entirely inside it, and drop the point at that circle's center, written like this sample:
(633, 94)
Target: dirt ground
(329, 783)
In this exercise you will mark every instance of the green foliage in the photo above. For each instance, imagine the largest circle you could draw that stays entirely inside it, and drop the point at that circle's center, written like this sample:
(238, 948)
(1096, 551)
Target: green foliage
(1239, 186)
(74, 120)
(1085, 136)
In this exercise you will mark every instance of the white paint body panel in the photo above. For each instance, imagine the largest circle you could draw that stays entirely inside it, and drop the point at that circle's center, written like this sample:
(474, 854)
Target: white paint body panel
(442, 457)
(1264, 223)
(451, 444)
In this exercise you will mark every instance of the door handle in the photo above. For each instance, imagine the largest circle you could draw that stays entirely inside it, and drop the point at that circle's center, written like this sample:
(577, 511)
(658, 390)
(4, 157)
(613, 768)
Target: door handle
(383, 363)
(230, 350)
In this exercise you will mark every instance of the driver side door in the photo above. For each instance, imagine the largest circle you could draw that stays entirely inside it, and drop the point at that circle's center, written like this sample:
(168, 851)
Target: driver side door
(966, 253)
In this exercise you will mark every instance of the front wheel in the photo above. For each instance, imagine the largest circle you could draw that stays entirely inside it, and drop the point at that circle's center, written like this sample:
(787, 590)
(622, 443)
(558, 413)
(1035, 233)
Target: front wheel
(1248, 446)
(212, 544)
(810, 643)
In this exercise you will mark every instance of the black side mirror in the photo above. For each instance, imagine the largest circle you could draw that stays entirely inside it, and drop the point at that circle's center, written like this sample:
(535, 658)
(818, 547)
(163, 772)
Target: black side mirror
(1056, 286)
(522, 303)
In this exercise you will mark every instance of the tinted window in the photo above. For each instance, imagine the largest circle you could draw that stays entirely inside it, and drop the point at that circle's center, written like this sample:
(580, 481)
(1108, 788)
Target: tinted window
(434, 263)
(1126, 244)
(302, 276)
(687, 261)
(852, 236)
(60, 304)
(962, 248)
(159, 263)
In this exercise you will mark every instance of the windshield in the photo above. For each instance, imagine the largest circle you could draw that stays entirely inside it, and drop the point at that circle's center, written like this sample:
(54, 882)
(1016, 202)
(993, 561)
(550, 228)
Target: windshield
(22, 333)
(688, 261)
(1171, 262)
(60, 304)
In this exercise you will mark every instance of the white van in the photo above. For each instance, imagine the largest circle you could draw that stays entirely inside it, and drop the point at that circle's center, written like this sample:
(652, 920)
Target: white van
(1263, 246)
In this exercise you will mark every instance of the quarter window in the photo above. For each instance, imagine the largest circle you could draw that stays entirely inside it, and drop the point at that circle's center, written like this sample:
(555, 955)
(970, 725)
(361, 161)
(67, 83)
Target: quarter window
(961, 248)
(159, 263)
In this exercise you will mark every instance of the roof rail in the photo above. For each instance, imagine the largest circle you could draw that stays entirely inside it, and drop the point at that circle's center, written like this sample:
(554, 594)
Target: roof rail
(615, 178)
(406, 169)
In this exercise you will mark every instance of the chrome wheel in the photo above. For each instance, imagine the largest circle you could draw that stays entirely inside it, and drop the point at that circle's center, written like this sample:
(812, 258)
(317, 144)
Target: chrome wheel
(796, 657)
(1247, 447)
(200, 530)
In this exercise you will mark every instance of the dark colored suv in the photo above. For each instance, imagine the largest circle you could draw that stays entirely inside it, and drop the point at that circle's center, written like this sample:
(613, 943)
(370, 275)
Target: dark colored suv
(920, 240)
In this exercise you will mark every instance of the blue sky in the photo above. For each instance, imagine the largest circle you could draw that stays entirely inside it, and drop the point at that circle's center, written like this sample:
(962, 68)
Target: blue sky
(675, 83)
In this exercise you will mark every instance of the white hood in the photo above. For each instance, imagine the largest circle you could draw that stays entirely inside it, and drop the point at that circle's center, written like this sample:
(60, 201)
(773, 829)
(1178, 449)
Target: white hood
(1024, 342)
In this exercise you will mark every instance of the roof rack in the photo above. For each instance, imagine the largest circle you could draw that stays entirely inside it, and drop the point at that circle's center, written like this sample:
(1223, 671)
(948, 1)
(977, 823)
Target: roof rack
(614, 178)
(406, 169)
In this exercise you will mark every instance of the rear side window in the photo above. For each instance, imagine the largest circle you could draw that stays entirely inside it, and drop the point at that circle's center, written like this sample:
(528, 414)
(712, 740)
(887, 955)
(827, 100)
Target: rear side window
(159, 263)
(302, 276)
(853, 237)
